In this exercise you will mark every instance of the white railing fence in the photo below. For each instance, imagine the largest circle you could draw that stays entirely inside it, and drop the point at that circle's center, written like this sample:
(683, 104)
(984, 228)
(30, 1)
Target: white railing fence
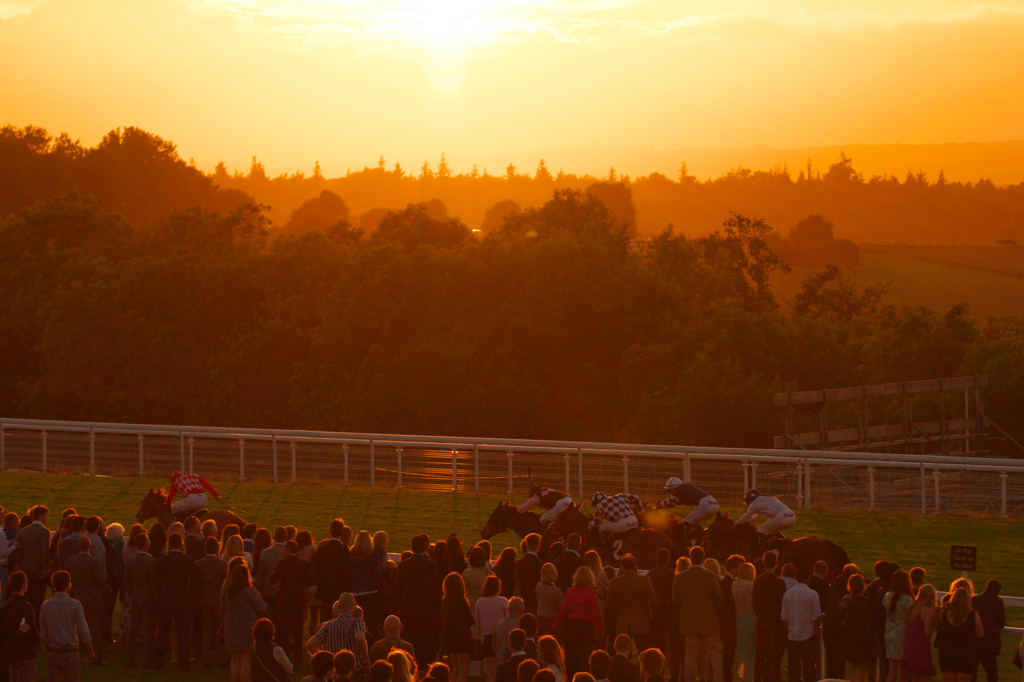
(925, 484)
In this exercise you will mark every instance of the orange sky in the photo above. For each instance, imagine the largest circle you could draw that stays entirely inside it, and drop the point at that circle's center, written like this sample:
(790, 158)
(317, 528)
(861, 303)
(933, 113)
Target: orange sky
(345, 80)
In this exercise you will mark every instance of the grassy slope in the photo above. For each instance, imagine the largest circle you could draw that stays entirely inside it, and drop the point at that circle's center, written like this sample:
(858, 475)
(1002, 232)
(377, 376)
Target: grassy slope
(991, 279)
(909, 540)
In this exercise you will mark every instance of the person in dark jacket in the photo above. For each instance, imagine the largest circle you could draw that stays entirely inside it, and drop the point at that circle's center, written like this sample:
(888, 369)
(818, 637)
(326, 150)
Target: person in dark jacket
(567, 562)
(19, 632)
(332, 569)
(34, 545)
(771, 631)
(831, 622)
(89, 587)
(211, 572)
(139, 590)
(989, 606)
(528, 572)
(174, 585)
(509, 670)
(662, 577)
(621, 669)
(727, 618)
(294, 577)
(418, 590)
(874, 593)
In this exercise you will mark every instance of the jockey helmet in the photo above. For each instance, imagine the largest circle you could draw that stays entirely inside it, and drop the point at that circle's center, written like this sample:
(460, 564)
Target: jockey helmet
(751, 495)
(176, 474)
(672, 483)
(597, 497)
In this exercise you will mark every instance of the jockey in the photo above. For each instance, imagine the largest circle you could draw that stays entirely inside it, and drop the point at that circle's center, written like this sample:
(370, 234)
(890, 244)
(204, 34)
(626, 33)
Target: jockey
(192, 489)
(779, 516)
(552, 500)
(615, 514)
(705, 506)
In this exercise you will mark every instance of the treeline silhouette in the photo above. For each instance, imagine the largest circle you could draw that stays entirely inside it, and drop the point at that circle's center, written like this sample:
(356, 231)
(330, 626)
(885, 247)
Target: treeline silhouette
(553, 324)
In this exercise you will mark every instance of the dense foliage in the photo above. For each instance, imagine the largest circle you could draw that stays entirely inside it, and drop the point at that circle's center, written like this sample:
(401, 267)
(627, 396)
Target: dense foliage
(551, 325)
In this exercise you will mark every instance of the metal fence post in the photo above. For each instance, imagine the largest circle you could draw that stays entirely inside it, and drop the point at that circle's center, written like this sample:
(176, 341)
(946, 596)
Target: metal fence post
(398, 458)
(567, 473)
(579, 453)
(924, 495)
(935, 477)
(241, 459)
(273, 440)
(476, 468)
(142, 457)
(92, 452)
(191, 455)
(871, 489)
(800, 485)
(746, 477)
(373, 467)
(3, 447)
(509, 456)
(345, 454)
(293, 463)
(686, 467)
(455, 470)
(45, 462)
(625, 474)
(807, 484)
(1002, 494)
(181, 449)
(753, 475)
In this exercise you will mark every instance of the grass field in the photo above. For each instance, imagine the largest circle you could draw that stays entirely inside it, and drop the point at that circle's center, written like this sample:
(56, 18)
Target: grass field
(990, 278)
(909, 540)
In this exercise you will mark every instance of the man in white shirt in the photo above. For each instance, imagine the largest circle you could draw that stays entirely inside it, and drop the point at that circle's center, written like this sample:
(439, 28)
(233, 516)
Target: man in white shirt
(801, 611)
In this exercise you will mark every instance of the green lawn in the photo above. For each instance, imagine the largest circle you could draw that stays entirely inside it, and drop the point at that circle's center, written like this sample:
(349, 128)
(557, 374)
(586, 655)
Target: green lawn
(909, 540)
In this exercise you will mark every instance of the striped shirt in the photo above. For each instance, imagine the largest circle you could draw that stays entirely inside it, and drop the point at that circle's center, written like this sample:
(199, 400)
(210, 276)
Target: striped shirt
(62, 623)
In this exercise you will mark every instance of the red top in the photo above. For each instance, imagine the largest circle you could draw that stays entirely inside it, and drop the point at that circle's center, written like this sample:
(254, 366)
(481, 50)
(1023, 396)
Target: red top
(188, 484)
(580, 603)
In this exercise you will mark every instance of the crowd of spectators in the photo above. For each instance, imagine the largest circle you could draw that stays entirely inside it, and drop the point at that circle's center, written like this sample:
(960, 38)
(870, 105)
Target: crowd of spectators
(240, 598)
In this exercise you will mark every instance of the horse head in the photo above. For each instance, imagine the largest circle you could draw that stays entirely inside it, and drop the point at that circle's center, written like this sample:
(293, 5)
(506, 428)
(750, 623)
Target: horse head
(151, 503)
(498, 521)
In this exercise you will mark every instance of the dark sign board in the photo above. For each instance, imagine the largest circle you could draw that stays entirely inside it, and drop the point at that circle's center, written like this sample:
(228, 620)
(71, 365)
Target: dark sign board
(963, 558)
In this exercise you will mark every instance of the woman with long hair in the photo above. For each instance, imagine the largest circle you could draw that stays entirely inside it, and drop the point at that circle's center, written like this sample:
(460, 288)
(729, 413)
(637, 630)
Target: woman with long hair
(581, 616)
(550, 654)
(711, 564)
(366, 577)
(855, 628)
(157, 540)
(960, 631)
(404, 669)
(267, 663)
(234, 547)
(457, 621)
(454, 556)
(897, 602)
(242, 606)
(746, 621)
(490, 609)
(261, 540)
(505, 569)
(592, 560)
(921, 623)
(475, 574)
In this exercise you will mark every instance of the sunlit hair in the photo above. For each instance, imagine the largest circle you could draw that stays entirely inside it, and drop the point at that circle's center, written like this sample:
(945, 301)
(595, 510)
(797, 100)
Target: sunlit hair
(682, 564)
(232, 548)
(583, 577)
(925, 597)
(959, 605)
(548, 573)
(115, 531)
(238, 580)
(380, 539)
(899, 585)
(362, 546)
(962, 583)
(592, 560)
(176, 527)
(454, 588)
(747, 571)
(550, 653)
(855, 584)
(713, 566)
(404, 668)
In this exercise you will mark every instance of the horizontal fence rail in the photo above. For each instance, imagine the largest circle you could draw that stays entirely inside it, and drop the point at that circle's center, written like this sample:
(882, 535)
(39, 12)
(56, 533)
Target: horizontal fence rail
(804, 479)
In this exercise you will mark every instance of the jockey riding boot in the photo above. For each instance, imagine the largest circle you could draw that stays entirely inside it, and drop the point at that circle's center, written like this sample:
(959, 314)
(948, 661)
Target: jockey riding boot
(762, 544)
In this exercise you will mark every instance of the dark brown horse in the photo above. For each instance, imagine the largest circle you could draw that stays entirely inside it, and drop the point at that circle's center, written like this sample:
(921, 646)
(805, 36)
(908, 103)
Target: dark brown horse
(505, 518)
(724, 538)
(642, 543)
(155, 504)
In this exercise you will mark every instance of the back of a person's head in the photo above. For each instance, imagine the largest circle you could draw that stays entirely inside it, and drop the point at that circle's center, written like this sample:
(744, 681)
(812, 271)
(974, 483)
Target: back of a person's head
(600, 662)
(528, 624)
(210, 545)
(38, 512)
(142, 542)
(746, 571)
(697, 555)
(515, 606)
(820, 569)
(78, 523)
(517, 639)
(419, 544)
(209, 528)
(175, 542)
(477, 557)
(83, 544)
(344, 662)
(16, 582)
(280, 534)
(492, 586)
(335, 528)
(623, 644)
(556, 549)
(263, 633)
(803, 574)
(582, 677)
(652, 662)
(548, 573)
(789, 571)
(381, 671)
(248, 531)
(321, 664)
(192, 524)
(526, 670)
(993, 586)
(507, 556)
(583, 577)
(92, 524)
(403, 668)
(550, 652)
(662, 558)
(770, 561)
(682, 564)
(533, 542)
(734, 562)
(291, 546)
(850, 569)
(61, 581)
(439, 672)
(855, 584)
(628, 563)
(574, 542)
(393, 625)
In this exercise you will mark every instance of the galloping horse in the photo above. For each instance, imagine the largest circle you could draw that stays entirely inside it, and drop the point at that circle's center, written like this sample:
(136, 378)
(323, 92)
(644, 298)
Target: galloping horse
(682, 535)
(642, 543)
(724, 538)
(505, 518)
(155, 504)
